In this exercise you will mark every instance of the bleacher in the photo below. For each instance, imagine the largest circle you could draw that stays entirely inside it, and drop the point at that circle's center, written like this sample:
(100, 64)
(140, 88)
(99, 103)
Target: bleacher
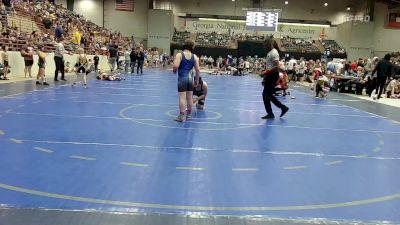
(285, 44)
(180, 37)
(333, 47)
(213, 40)
(35, 22)
(299, 45)
(248, 37)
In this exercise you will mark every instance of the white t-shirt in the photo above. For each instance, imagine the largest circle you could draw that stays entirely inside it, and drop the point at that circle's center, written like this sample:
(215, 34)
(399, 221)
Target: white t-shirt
(302, 67)
(59, 52)
(339, 68)
(127, 55)
(272, 56)
(292, 64)
(247, 64)
(394, 84)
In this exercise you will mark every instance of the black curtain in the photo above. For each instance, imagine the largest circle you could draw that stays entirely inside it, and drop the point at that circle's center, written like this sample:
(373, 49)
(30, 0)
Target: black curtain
(70, 5)
(251, 48)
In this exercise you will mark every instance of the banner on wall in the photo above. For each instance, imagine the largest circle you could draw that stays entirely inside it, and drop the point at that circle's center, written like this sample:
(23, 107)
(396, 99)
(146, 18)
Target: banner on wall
(308, 32)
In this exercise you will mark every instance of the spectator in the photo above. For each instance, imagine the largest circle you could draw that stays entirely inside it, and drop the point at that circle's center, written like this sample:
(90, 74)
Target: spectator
(384, 70)
(58, 32)
(133, 57)
(96, 60)
(40, 79)
(127, 57)
(140, 60)
(77, 37)
(47, 23)
(3, 14)
(112, 56)
(27, 54)
(393, 88)
(4, 56)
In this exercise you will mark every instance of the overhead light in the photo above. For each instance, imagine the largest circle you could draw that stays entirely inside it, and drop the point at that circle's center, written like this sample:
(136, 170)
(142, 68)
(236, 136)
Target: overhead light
(348, 8)
(286, 2)
(233, 0)
(326, 4)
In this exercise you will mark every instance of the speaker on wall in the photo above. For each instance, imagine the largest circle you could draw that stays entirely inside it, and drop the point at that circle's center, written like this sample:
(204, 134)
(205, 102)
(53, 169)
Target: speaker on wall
(256, 3)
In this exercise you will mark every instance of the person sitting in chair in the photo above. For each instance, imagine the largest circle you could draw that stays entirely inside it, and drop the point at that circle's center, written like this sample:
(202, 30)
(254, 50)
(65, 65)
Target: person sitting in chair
(201, 92)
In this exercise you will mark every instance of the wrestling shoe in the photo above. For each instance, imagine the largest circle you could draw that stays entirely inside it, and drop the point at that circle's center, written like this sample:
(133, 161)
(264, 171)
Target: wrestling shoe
(180, 118)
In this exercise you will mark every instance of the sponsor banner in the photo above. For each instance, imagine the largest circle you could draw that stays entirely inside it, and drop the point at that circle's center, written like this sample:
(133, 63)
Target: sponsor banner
(308, 32)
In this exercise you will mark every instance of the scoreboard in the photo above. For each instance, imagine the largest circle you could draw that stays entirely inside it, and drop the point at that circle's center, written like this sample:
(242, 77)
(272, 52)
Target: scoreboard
(263, 21)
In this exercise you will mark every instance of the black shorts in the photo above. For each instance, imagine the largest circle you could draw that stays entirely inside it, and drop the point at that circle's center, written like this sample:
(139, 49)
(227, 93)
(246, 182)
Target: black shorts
(291, 72)
(29, 62)
(6, 63)
(81, 69)
(41, 65)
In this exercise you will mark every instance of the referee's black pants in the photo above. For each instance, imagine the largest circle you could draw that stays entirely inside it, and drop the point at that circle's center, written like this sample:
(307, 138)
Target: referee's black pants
(268, 97)
(59, 61)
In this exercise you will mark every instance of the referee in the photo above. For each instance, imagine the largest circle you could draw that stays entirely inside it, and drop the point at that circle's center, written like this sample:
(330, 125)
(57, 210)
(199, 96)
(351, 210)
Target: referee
(271, 76)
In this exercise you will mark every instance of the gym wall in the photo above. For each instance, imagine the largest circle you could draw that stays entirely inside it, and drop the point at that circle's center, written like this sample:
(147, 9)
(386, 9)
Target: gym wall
(368, 39)
(160, 29)
(304, 9)
(385, 40)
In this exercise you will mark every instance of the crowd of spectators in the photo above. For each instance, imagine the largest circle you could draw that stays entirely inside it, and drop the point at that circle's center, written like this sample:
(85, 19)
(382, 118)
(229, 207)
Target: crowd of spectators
(230, 65)
(56, 22)
(360, 76)
(249, 37)
(299, 45)
(214, 39)
(333, 47)
(226, 40)
(180, 37)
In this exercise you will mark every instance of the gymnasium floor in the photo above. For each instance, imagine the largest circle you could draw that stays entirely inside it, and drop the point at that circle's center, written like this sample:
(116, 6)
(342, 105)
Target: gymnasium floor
(114, 148)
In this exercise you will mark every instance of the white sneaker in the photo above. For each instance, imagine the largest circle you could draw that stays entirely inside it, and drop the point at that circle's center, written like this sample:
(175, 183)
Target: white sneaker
(180, 118)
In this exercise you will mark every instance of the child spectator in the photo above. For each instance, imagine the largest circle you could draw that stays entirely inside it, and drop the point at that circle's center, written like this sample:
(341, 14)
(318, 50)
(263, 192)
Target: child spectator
(42, 66)
(4, 56)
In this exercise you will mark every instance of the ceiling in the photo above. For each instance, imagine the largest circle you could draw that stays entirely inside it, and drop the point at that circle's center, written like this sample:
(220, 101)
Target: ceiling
(391, 3)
